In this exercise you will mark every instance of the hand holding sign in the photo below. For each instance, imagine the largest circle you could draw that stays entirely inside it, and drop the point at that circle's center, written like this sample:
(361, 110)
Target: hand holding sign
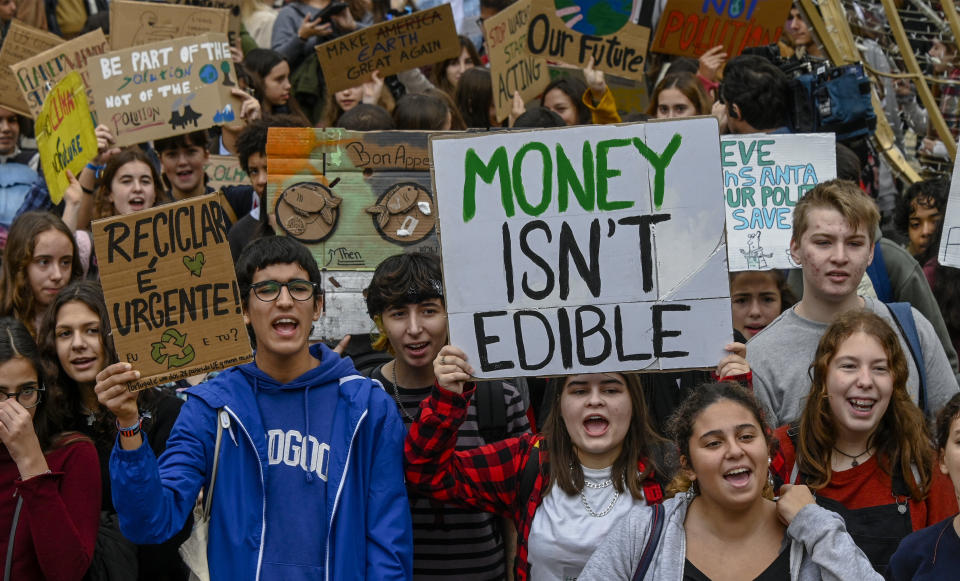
(451, 368)
(113, 392)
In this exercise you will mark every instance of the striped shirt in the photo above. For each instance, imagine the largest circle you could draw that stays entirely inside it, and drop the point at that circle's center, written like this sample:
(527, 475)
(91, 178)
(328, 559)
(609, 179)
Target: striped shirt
(451, 542)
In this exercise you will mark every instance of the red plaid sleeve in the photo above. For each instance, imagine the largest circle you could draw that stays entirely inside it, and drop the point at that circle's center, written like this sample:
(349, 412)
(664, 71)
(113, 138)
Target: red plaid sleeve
(483, 478)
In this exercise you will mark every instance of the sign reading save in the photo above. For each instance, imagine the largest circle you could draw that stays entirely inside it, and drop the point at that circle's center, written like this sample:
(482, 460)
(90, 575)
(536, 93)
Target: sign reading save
(171, 292)
(597, 248)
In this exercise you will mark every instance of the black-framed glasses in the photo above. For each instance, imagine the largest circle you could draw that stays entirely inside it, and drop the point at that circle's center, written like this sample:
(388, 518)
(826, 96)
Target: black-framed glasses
(28, 398)
(268, 290)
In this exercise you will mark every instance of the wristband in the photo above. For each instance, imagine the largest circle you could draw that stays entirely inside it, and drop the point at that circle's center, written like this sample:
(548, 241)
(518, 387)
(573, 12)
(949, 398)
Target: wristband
(87, 191)
(131, 431)
(96, 169)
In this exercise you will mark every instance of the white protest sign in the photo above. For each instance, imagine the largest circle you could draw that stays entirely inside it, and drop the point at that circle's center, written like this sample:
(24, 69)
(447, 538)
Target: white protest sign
(764, 176)
(584, 249)
(949, 253)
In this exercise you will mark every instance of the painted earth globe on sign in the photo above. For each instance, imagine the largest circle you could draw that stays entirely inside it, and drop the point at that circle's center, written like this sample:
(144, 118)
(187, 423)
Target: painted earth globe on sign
(597, 17)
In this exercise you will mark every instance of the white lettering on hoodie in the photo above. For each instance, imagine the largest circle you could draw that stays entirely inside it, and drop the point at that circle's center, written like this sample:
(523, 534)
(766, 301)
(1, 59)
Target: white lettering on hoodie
(292, 449)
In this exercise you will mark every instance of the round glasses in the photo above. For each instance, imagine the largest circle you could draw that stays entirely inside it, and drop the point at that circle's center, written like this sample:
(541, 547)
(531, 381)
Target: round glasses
(28, 398)
(268, 290)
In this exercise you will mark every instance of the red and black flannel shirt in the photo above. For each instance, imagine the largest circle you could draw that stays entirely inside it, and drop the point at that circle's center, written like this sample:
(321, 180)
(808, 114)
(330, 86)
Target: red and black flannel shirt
(485, 478)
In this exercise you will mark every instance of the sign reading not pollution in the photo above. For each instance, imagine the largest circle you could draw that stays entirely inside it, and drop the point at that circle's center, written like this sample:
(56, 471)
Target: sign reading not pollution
(65, 135)
(37, 75)
(764, 176)
(168, 279)
(595, 246)
(422, 38)
(691, 27)
(165, 88)
(572, 31)
(512, 67)
(22, 42)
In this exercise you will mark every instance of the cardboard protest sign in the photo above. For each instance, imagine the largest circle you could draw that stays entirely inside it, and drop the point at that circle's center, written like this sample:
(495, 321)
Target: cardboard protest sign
(37, 75)
(232, 6)
(949, 252)
(354, 198)
(168, 279)
(22, 42)
(584, 249)
(165, 88)
(422, 38)
(139, 23)
(691, 27)
(571, 31)
(225, 170)
(65, 134)
(764, 176)
(512, 68)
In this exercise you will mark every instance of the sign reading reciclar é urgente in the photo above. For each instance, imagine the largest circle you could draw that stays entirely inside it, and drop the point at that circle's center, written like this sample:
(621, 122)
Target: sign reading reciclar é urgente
(169, 283)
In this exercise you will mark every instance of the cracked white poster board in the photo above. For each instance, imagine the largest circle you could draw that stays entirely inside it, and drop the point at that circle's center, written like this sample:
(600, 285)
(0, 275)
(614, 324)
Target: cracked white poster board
(949, 253)
(764, 176)
(584, 249)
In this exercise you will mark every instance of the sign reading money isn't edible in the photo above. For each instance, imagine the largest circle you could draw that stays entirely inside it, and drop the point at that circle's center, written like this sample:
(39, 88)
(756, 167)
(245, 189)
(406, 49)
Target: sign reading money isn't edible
(168, 279)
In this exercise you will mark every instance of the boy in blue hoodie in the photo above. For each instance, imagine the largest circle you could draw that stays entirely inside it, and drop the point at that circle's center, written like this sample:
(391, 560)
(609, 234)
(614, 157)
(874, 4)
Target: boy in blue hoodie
(310, 475)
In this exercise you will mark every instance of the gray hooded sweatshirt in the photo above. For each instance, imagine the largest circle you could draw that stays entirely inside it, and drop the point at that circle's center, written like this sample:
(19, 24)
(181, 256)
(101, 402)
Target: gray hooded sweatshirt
(820, 547)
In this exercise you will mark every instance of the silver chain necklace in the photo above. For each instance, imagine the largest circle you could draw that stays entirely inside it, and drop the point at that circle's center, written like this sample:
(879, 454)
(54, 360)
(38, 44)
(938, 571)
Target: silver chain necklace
(604, 484)
(396, 395)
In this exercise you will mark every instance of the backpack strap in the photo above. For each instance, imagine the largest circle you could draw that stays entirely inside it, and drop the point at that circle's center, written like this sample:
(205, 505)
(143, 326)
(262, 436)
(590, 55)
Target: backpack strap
(877, 271)
(491, 411)
(13, 533)
(528, 476)
(656, 530)
(223, 421)
(903, 316)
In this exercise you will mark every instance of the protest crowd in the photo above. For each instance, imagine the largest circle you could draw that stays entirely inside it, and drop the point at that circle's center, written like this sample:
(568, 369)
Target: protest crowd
(423, 290)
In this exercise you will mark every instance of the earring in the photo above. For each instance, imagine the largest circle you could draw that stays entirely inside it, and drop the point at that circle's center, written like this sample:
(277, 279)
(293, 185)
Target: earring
(769, 473)
(694, 488)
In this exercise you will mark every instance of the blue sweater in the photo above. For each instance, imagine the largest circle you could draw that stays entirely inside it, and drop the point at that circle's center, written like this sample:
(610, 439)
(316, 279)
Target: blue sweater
(930, 554)
(366, 521)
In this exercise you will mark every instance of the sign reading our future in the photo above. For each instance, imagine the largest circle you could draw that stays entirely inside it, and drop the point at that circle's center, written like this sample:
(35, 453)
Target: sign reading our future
(584, 249)
(165, 88)
(171, 292)
(763, 178)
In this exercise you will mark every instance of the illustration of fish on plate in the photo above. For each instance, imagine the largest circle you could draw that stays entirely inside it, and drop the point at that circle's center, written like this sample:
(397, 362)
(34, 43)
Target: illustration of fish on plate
(309, 211)
(404, 214)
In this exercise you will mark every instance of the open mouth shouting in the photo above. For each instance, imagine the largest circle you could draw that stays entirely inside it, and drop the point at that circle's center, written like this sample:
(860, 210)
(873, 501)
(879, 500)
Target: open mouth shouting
(596, 425)
(738, 477)
(286, 326)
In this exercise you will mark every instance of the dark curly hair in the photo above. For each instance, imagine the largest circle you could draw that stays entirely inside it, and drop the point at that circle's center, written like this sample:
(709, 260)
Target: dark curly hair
(759, 89)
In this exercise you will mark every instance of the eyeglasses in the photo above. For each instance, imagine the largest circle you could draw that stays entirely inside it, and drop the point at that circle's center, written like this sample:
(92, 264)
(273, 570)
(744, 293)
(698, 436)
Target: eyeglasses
(268, 290)
(28, 398)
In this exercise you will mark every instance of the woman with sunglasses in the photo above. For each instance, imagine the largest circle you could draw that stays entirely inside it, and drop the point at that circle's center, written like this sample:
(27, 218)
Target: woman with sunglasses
(49, 481)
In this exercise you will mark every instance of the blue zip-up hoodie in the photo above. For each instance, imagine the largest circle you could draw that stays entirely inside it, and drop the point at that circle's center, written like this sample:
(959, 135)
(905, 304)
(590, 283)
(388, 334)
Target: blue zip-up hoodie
(369, 533)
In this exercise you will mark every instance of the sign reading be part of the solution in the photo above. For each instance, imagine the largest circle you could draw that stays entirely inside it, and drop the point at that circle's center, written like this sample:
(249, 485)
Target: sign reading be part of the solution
(512, 67)
(763, 178)
(572, 31)
(691, 27)
(165, 88)
(169, 283)
(65, 134)
(584, 249)
(418, 39)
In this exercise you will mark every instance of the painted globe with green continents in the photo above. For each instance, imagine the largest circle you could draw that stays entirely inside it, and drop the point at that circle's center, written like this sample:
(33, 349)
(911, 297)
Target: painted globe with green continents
(596, 17)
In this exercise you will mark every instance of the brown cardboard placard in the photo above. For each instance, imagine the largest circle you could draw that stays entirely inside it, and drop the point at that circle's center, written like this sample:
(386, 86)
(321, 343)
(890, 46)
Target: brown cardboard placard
(233, 6)
(225, 170)
(382, 204)
(397, 45)
(165, 88)
(691, 27)
(139, 23)
(512, 67)
(22, 43)
(171, 291)
(573, 34)
(37, 75)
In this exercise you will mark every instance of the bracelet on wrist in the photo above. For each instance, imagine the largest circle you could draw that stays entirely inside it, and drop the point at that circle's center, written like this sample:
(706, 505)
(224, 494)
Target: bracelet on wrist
(96, 169)
(86, 190)
(131, 431)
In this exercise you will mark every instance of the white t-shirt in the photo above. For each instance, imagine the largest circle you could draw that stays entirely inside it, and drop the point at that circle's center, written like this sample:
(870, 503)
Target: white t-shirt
(563, 534)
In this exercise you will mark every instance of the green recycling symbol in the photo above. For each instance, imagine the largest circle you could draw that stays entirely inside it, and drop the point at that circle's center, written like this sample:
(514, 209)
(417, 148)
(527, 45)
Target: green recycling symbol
(172, 336)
